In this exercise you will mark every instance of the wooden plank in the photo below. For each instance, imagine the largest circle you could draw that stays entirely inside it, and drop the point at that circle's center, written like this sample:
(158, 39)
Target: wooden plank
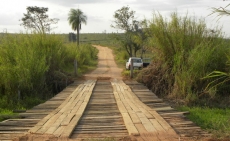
(121, 107)
(133, 106)
(58, 132)
(68, 119)
(44, 120)
(143, 112)
(35, 129)
(76, 107)
(69, 129)
(146, 123)
(134, 117)
(147, 114)
(116, 95)
(157, 125)
(93, 129)
(56, 124)
(87, 96)
(174, 113)
(82, 108)
(163, 123)
(12, 128)
(49, 123)
(140, 128)
(163, 108)
(129, 124)
(92, 87)
(64, 108)
(128, 108)
(121, 95)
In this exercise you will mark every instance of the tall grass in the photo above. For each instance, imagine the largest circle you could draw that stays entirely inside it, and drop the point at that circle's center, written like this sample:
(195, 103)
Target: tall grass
(33, 64)
(84, 54)
(25, 62)
(185, 51)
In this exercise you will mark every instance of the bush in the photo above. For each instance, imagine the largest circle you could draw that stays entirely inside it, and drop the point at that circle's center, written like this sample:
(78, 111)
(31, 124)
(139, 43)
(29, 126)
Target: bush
(185, 52)
(34, 66)
(84, 54)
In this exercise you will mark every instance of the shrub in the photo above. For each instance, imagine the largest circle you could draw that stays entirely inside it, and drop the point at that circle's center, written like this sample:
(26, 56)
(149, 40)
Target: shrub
(185, 51)
(33, 65)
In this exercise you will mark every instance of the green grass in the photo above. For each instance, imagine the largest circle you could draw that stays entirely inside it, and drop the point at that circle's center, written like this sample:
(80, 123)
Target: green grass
(215, 120)
(32, 63)
(7, 114)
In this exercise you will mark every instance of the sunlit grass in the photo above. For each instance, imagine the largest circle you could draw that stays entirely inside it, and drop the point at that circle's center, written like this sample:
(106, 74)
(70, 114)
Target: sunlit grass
(215, 120)
(6, 114)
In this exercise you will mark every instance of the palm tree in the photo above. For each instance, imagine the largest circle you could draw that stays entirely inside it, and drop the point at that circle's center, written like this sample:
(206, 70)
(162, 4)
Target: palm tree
(76, 18)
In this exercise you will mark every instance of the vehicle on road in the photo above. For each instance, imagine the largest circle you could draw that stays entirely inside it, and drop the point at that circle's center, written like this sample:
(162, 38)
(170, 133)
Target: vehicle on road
(137, 63)
(146, 62)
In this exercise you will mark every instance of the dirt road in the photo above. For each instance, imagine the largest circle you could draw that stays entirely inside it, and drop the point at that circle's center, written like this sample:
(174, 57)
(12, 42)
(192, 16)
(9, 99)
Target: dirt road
(106, 65)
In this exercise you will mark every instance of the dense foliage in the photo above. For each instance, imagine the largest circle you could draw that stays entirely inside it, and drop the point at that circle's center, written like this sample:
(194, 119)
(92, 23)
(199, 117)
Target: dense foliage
(185, 52)
(37, 19)
(132, 38)
(33, 67)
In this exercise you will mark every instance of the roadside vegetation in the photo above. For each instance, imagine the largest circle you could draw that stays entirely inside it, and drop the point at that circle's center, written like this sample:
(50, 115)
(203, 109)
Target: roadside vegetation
(190, 64)
(186, 52)
(34, 67)
(215, 120)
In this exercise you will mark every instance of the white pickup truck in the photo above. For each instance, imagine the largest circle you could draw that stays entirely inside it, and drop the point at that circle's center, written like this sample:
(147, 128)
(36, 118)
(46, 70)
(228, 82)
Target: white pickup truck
(137, 63)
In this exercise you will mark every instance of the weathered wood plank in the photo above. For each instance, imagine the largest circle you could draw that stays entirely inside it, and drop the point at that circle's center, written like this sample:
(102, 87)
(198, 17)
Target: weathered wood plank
(134, 117)
(56, 124)
(157, 125)
(129, 124)
(121, 107)
(69, 129)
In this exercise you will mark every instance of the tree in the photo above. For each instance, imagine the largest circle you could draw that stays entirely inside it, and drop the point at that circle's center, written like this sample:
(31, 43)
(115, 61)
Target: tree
(125, 20)
(76, 17)
(37, 19)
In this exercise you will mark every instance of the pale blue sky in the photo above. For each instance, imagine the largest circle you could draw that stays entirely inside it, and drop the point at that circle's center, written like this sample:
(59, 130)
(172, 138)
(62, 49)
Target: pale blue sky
(100, 12)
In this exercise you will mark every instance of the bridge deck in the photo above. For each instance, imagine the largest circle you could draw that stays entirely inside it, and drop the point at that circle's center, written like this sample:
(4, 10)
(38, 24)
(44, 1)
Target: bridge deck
(100, 109)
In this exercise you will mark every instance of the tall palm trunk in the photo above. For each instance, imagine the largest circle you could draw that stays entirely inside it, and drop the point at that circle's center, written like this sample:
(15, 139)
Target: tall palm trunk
(78, 40)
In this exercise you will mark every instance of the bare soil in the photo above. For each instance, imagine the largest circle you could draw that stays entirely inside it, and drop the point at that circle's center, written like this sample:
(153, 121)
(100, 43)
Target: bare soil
(107, 68)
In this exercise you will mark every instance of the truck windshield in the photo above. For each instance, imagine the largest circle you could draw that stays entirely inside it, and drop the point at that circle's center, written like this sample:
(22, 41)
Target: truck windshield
(137, 61)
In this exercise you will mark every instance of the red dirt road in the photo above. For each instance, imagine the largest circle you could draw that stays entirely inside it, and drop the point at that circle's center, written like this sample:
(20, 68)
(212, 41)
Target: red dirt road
(106, 65)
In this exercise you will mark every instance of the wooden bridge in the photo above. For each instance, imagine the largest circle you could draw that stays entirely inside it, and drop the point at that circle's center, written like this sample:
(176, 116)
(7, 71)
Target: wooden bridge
(102, 108)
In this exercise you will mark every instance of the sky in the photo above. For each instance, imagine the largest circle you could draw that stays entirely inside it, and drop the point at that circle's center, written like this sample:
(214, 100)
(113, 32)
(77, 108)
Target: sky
(100, 12)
